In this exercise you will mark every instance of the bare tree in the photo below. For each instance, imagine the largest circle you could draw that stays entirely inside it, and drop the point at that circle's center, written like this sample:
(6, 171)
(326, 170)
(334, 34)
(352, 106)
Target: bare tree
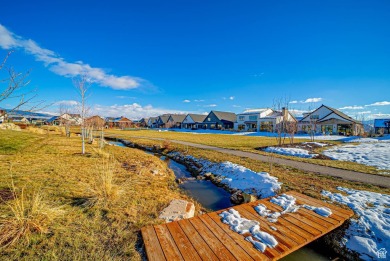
(291, 129)
(66, 123)
(281, 105)
(13, 83)
(82, 85)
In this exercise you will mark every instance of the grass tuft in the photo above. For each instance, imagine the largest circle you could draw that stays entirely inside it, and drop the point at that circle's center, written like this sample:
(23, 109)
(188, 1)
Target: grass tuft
(102, 190)
(29, 214)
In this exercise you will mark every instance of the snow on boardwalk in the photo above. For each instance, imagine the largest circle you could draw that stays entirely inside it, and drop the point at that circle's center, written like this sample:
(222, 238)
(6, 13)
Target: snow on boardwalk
(375, 154)
(207, 237)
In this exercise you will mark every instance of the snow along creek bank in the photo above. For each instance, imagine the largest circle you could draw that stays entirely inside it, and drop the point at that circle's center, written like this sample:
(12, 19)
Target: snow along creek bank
(235, 178)
(369, 233)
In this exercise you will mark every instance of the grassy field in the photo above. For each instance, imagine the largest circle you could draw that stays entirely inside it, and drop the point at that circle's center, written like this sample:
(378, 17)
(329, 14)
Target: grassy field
(308, 183)
(58, 204)
(243, 143)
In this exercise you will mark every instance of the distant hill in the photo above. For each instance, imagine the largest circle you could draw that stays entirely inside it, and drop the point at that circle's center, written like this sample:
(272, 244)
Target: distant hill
(28, 114)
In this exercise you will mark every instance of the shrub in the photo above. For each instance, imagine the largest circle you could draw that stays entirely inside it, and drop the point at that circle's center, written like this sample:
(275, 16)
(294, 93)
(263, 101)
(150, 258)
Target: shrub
(29, 214)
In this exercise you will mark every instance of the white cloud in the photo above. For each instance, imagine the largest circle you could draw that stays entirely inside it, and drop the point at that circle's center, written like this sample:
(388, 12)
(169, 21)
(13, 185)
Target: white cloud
(312, 100)
(67, 103)
(383, 103)
(308, 100)
(198, 100)
(236, 106)
(354, 107)
(125, 97)
(380, 115)
(132, 111)
(58, 65)
(231, 98)
(186, 101)
(211, 105)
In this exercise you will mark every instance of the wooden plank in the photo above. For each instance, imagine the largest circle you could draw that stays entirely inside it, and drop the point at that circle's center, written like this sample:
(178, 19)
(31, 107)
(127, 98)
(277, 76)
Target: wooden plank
(185, 247)
(332, 222)
(229, 243)
(247, 246)
(303, 226)
(283, 242)
(304, 218)
(218, 248)
(319, 203)
(285, 231)
(197, 241)
(152, 244)
(168, 246)
(207, 238)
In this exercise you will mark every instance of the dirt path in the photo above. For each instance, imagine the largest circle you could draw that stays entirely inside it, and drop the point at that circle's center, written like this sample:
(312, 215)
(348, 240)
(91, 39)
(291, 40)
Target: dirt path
(324, 170)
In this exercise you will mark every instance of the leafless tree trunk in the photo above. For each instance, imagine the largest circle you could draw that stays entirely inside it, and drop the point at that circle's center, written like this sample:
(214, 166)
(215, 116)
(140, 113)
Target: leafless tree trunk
(280, 127)
(291, 129)
(65, 122)
(82, 85)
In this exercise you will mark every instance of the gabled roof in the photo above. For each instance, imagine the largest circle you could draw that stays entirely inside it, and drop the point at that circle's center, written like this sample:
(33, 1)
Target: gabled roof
(197, 117)
(164, 118)
(333, 110)
(227, 116)
(178, 117)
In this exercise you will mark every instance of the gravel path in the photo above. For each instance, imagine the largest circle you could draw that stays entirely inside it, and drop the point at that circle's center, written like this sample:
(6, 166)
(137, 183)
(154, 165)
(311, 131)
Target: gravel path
(324, 170)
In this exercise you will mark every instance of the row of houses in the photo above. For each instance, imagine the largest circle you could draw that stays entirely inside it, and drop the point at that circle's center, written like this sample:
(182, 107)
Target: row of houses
(324, 119)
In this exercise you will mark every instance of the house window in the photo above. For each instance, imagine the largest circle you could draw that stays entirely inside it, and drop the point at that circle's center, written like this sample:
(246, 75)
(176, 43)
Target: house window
(314, 117)
(266, 126)
(209, 119)
(241, 127)
(241, 118)
(253, 118)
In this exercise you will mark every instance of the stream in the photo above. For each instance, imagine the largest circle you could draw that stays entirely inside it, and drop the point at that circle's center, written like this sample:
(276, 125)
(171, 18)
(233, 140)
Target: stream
(215, 198)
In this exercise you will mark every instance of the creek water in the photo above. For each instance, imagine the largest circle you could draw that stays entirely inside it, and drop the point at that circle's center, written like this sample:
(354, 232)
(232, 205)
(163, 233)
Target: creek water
(215, 198)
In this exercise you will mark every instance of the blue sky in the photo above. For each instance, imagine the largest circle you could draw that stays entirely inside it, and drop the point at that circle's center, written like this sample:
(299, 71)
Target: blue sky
(149, 57)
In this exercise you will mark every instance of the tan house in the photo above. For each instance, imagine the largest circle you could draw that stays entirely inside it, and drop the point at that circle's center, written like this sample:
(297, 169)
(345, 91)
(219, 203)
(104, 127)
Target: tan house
(327, 120)
(96, 122)
(119, 122)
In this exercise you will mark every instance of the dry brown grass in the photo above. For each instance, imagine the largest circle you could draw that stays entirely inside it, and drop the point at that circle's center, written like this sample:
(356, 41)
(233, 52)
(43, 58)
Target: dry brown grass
(28, 214)
(136, 188)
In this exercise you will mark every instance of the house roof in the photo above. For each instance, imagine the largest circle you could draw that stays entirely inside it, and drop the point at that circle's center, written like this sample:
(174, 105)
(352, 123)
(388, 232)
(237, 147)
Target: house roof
(333, 110)
(197, 117)
(178, 117)
(227, 116)
(380, 123)
(164, 118)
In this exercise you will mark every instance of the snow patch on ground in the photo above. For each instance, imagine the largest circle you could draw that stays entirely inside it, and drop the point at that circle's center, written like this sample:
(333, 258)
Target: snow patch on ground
(370, 232)
(372, 154)
(319, 144)
(235, 176)
(242, 226)
(291, 152)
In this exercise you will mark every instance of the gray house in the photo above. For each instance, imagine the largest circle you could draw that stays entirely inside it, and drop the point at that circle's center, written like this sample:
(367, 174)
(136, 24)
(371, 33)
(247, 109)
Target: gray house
(164, 121)
(219, 120)
(193, 121)
(176, 120)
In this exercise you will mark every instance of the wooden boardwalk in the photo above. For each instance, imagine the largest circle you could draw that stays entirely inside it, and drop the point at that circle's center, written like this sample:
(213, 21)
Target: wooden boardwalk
(205, 237)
